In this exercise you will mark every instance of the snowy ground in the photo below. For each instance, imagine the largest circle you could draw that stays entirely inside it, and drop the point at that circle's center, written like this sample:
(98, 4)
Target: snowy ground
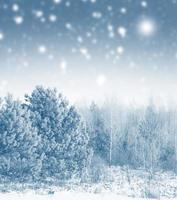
(118, 183)
(67, 196)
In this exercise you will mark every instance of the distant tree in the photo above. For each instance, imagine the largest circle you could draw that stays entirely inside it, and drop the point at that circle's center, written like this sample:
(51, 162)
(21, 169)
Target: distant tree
(99, 134)
(64, 140)
(168, 158)
(149, 138)
(18, 142)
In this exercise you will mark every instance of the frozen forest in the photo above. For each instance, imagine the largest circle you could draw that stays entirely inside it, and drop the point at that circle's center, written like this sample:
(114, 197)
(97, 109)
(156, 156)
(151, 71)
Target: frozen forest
(45, 140)
(88, 101)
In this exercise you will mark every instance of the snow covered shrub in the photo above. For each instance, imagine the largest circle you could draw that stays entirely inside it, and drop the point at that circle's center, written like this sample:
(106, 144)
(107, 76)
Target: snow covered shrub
(97, 170)
(64, 139)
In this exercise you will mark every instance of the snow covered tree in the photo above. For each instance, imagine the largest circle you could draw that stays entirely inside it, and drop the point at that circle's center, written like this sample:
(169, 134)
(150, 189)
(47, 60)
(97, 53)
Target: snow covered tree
(64, 141)
(99, 134)
(18, 142)
(149, 138)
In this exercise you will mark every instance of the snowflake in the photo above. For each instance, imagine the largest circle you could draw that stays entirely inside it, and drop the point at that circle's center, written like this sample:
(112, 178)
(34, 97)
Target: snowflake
(111, 30)
(67, 4)
(79, 39)
(63, 65)
(68, 26)
(146, 27)
(5, 6)
(123, 10)
(120, 50)
(43, 20)
(15, 7)
(88, 34)
(38, 13)
(109, 8)
(57, 1)
(101, 80)
(110, 27)
(1, 36)
(122, 31)
(18, 20)
(93, 1)
(144, 4)
(84, 52)
(53, 18)
(42, 49)
(97, 15)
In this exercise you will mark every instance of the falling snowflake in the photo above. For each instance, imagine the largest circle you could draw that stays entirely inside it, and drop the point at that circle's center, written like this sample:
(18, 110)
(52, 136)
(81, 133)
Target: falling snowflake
(53, 18)
(93, 1)
(42, 49)
(15, 7)
(123, 10)
(110, 27)
(120, 50)
(122, 31)
(18, 20)
(63, 65)
(1, 36)
(111, 31)
(84, 52)
(101, 80)
(68, 26)
(144, 4)
(67, 4)
(146, 27)
(97, 15)
(79, 39)
(57, 1)
(38, 13)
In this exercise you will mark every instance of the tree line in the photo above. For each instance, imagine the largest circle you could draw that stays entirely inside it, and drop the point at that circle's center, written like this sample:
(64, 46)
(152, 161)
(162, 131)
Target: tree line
(139, 137)
(44, 137)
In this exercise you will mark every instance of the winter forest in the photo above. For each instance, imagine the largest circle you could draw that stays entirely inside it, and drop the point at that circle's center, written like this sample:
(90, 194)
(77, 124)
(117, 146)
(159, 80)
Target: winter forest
(44, 139)
(88, 101)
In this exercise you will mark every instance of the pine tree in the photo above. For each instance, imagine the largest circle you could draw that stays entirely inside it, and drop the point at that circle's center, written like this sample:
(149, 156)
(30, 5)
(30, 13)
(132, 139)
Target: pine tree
(18, 143)
(64, 141)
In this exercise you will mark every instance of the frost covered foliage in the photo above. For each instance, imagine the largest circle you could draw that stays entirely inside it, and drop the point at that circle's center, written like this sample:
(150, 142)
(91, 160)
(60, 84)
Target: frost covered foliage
(139, 137)
(42, 138)
(45, 139)
(99, 134)
(18, 142)
(64, 141)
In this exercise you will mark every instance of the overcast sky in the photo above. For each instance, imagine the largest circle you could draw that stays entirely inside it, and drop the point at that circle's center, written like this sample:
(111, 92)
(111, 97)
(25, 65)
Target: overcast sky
(90, 49)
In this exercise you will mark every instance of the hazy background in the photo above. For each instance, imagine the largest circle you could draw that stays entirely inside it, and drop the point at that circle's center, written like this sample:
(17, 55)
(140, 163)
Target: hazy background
(90, 49)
